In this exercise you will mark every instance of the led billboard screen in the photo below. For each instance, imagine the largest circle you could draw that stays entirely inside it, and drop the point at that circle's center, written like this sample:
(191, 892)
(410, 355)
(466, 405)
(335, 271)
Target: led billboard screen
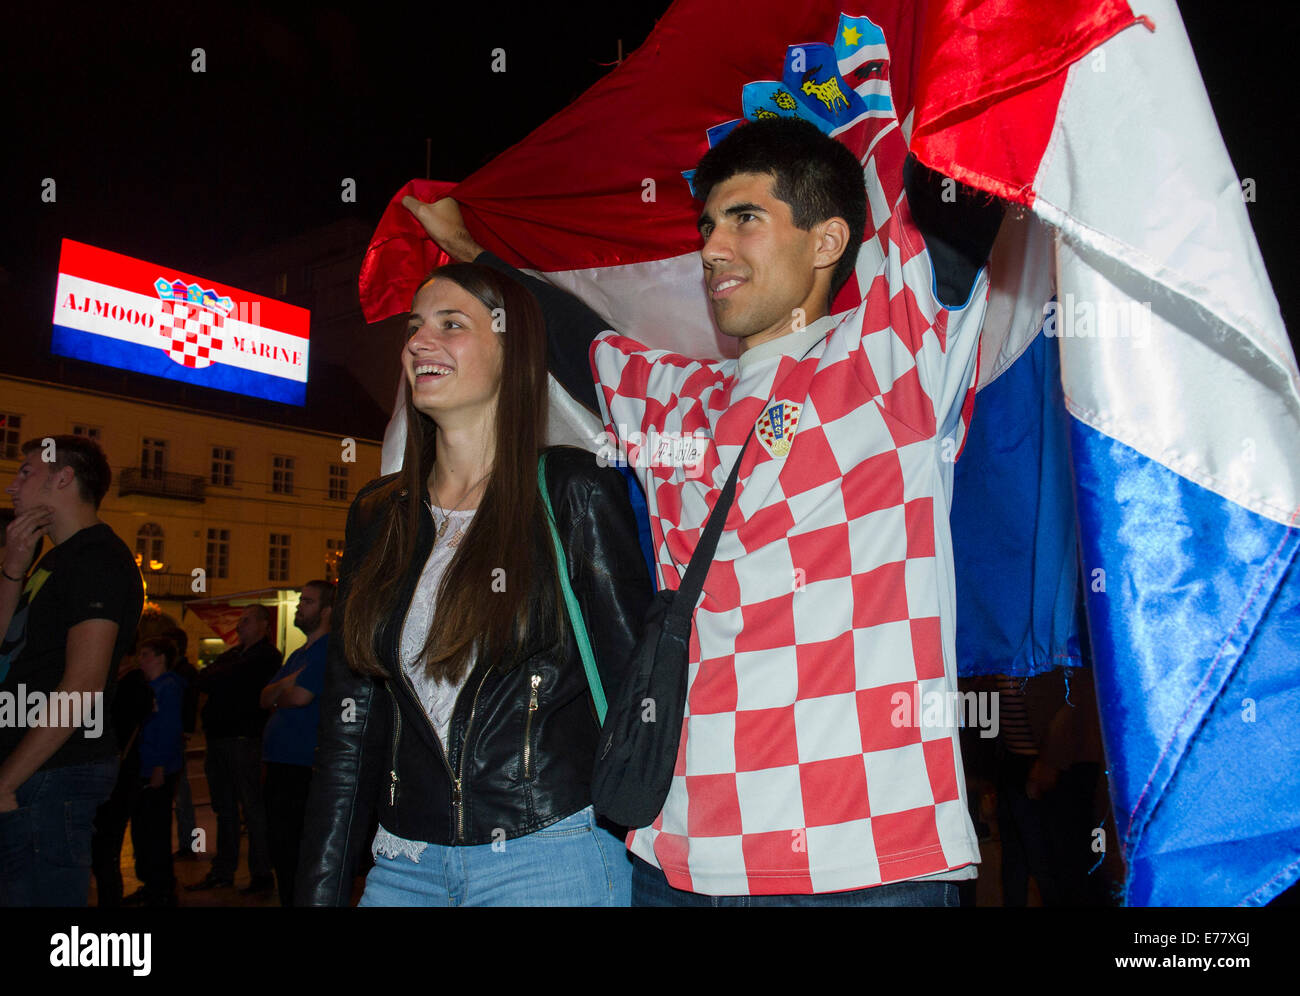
(124, 312)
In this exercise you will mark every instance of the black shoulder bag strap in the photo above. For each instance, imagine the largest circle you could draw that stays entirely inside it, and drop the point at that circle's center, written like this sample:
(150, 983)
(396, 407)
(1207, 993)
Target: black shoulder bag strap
(637, 752)
(688, 592)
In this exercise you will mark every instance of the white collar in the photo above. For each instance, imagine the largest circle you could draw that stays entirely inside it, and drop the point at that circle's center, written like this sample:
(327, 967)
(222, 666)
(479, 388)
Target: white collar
(791, 344)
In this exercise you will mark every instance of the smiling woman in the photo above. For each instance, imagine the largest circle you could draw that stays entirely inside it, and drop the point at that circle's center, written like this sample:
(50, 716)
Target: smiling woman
(456, 702)
(453, 356)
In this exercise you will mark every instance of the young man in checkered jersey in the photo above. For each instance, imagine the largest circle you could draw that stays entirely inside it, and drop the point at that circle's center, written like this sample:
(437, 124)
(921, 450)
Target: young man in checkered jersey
(812, 770)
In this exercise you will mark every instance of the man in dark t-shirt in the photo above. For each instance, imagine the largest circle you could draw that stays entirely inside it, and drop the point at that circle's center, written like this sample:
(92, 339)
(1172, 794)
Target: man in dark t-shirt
(66, 627)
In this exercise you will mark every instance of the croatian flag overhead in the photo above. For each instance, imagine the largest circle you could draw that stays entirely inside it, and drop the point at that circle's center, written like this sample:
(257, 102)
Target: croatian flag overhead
(124, 312)
(1133, 449)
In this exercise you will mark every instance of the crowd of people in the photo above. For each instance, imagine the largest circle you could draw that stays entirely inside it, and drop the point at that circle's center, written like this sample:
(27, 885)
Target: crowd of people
(259, 720)
(119, 696)
(493, 591)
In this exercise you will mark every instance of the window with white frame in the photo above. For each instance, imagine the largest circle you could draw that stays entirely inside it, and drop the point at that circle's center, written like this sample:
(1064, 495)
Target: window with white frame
(11, 436)
(153, 458)
(149, 547)
(278, 564)
(282, 475)
(338, 481)
(218, 558)
(222, 474)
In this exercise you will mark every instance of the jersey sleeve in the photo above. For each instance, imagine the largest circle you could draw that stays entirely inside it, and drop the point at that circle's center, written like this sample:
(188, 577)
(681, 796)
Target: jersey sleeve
(913, 342)
(912, 355)
(650, 399)
(621, 370)
(646, 392)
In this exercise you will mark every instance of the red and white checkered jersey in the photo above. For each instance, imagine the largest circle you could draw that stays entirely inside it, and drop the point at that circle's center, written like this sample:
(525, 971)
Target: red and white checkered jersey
(807, 761)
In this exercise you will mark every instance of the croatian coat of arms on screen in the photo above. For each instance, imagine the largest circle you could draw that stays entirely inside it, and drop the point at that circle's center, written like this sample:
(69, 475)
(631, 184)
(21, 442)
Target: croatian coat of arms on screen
(192, 322)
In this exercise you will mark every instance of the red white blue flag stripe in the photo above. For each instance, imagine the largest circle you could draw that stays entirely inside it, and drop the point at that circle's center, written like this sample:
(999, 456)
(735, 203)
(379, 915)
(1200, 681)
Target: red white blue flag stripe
(123, 312)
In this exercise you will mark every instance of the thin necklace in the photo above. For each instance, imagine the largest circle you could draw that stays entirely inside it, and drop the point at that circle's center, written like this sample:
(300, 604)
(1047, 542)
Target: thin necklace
(446, 514)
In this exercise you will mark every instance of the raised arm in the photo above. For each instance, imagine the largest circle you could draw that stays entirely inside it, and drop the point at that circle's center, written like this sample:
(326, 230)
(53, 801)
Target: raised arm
(22, 543)
(444, 224)
(285, 693)
(959, 225)
(570, 324)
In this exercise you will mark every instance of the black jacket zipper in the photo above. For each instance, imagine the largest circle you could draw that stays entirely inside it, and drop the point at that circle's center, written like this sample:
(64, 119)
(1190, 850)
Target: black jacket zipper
(534, 681)
(396, 665)
(455, 796)
(456, 776)
(397, 737)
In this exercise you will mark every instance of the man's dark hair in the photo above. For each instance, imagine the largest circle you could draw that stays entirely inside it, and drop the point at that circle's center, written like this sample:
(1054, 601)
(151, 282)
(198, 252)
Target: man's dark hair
(179, 637)
(324, 590)
(815, 174)
(261, 612)
(161, 646)
(87, 460)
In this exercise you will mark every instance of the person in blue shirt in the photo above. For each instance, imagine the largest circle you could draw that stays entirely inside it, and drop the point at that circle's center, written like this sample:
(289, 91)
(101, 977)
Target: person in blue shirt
(162, 757)
(289, 739)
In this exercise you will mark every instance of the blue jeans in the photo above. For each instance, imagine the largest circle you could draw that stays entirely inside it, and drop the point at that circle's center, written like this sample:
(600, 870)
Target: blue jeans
(573, 862)
(45, 842)
(651, 888)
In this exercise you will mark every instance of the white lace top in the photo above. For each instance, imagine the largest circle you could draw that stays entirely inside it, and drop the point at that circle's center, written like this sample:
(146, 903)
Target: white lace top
(437, 697)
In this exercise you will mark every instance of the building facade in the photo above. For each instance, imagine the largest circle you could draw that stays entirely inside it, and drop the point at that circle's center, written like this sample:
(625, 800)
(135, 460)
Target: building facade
(212, 505)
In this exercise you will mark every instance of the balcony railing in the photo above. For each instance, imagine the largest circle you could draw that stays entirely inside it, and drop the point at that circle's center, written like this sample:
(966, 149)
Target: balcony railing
(141, 481)
(160, 584)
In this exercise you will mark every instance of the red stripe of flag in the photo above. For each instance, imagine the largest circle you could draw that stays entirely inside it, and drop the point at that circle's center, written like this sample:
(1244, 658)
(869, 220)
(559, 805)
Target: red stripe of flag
(78, 259)
(991, 86)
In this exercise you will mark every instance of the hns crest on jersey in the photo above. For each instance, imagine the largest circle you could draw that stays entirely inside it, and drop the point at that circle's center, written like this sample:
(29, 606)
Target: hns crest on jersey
(191, 323)
(836, 86)
(775, 428)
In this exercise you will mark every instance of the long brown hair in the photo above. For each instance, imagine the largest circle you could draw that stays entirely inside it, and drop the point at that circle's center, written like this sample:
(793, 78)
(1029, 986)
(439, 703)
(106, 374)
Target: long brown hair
(473, 614)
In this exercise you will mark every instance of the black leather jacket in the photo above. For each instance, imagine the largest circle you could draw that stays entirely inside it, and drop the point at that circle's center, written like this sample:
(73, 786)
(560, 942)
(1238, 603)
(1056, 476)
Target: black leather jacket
(523, 733)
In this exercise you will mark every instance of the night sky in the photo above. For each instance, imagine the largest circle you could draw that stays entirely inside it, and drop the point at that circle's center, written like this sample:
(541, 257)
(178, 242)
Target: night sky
(186, 168)
(191, 169)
